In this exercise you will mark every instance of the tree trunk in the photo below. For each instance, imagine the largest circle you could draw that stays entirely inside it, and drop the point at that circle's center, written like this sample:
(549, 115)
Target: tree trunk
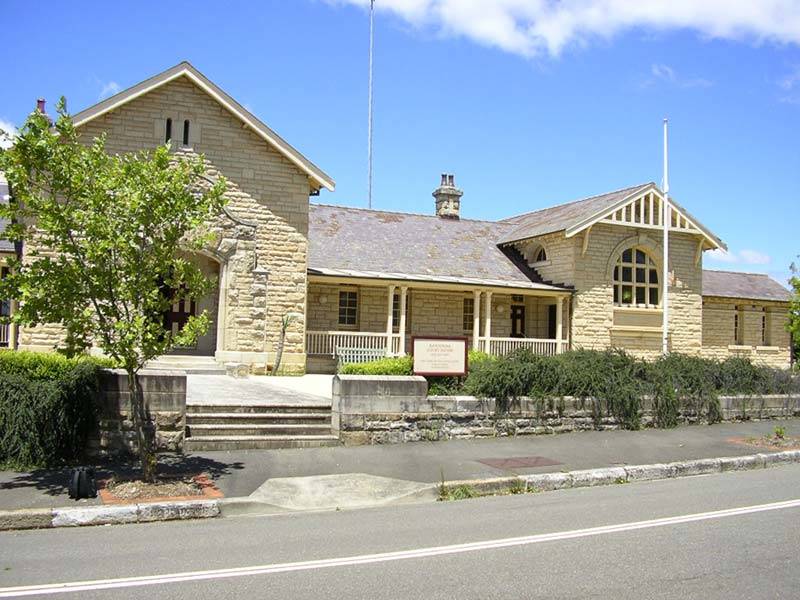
(145, 428)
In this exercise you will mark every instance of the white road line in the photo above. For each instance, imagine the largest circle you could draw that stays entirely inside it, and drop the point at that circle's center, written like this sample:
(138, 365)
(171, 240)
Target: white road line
(365, 559)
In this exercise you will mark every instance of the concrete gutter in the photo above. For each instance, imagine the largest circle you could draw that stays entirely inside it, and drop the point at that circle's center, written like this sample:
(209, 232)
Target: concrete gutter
(544, 482)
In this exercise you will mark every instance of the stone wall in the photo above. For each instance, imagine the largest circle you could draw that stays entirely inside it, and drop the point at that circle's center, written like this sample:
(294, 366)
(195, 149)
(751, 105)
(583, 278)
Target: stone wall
(165, 398)
(397, 410)
(718, 331)
(268, 199)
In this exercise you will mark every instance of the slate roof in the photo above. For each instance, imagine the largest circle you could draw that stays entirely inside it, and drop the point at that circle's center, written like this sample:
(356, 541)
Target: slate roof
(5, 245)
(750, 286)
(558, 218)
(358, 242)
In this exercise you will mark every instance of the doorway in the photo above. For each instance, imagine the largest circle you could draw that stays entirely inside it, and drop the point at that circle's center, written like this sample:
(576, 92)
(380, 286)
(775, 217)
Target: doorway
(517, 320)
(551, 321)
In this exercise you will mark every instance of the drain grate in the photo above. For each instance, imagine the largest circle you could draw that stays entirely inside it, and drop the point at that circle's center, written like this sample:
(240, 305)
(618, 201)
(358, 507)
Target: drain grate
(519, 462)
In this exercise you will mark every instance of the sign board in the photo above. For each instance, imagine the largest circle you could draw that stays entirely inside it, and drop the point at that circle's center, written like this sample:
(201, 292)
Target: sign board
(439, 356)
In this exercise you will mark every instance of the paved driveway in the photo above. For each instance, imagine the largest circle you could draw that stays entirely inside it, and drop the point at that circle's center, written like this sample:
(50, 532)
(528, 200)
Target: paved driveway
(221, 389)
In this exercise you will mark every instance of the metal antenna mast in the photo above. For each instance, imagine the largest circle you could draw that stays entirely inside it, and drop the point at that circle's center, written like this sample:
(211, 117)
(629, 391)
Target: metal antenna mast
(369, 117)
(666, 217)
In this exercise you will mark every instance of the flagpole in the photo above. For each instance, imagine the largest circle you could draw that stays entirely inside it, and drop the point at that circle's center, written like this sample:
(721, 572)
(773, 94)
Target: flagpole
(665, 221)
(369, 117)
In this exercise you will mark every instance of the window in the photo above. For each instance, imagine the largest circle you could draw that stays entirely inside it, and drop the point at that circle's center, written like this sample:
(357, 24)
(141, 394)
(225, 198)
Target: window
(348, 308)
(764, 326)
(469, 313)
(168, 134)
(186, 132)
(635, 280)
(540, 256)
(737, 325)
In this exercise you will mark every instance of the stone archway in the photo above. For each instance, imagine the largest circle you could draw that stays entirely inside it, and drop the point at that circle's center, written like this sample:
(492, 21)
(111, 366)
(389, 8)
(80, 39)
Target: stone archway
(207, 344)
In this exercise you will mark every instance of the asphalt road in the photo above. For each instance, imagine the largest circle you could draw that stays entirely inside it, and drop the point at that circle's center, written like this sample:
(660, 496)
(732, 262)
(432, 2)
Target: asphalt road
(750, 553)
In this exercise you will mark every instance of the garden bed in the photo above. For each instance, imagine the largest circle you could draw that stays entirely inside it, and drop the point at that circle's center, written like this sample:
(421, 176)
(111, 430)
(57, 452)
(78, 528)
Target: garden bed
(128, 491)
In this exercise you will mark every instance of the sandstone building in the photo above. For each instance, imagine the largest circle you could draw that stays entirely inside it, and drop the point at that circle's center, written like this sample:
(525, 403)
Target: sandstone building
(362, 282)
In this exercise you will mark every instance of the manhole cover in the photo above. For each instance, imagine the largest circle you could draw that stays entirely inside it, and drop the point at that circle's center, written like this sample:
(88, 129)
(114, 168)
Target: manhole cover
(519, 462)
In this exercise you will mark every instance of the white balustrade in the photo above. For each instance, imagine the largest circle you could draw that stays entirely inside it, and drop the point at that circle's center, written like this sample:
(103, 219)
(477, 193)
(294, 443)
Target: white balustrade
(5, 330)
(502, 346)
(326, 342)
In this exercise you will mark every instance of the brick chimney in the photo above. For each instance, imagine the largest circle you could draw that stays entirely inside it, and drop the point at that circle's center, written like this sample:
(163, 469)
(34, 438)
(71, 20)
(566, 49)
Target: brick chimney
(448, 198)
(40, 106)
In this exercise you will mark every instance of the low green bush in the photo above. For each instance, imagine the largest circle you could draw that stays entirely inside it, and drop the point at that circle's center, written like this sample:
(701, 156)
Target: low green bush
(48, 407)
(44, 366)
(400, 365)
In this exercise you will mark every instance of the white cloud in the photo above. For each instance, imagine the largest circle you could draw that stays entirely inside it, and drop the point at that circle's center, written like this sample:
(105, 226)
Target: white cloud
(535, 27)
(108, 89)
(742, 257)
(7, 133)
(789, 85)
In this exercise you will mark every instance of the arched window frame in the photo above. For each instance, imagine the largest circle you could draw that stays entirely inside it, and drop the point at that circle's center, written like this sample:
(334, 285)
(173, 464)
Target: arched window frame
(538, 255)
(636, 279)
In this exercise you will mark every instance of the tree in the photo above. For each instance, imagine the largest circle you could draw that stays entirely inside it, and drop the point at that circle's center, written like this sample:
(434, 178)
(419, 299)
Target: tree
(106, 236)
(794, 306)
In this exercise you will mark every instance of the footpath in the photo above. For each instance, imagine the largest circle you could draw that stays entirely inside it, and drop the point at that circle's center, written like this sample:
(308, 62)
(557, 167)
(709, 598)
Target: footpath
(268, 481)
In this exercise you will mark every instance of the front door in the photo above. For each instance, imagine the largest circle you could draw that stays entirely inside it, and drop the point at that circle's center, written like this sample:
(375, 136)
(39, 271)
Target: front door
(517, 320)
(551, 321)
(178, 314)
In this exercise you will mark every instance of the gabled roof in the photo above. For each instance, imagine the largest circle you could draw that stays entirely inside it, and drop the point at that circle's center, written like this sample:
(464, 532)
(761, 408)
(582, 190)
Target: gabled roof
(562, 216)
(574, 217)
(357, 242)
(185, 69)
(5, 245)
(748, 286)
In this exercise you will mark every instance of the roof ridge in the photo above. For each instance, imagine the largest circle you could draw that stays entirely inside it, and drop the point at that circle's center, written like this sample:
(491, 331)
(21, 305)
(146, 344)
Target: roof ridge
(736, 272)
(398, 212)
(530, 212)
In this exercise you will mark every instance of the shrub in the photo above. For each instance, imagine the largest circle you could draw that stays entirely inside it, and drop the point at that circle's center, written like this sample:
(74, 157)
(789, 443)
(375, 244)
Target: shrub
(400, 365)
(46, 418)
(42, 366)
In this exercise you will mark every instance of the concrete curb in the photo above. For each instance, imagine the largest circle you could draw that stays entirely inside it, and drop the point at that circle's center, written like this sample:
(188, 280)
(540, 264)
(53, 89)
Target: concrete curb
(114, 514)
(546, 482)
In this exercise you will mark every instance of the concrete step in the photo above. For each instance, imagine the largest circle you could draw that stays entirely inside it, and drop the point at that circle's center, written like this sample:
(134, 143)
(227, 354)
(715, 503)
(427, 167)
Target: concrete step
(192, 365)
(259, 408)
(226, 418)
(258, 442)
(236, 429)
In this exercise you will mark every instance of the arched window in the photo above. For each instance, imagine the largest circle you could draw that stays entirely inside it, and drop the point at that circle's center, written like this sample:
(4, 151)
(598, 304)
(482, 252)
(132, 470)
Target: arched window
(541, 255)
(636, 279)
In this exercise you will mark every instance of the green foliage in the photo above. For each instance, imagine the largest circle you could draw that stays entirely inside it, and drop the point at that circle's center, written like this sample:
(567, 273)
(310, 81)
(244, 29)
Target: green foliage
(40, 366)
(47, 417)
(459, 492)
(794, 306)
(779, 431)
(110, 229)
(400, 365)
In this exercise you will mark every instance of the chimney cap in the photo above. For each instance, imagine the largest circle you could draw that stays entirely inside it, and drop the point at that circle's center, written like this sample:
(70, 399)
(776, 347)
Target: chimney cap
(40, 102)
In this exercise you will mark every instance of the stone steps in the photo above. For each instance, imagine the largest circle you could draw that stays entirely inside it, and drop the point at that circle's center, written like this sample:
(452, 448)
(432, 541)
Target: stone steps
(274, 408)
(258, 426)
(258, 442)
(191, 365)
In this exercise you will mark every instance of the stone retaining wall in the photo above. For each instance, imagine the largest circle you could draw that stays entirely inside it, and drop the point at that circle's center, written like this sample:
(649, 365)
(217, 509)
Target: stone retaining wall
(165, 398)
(391, 410)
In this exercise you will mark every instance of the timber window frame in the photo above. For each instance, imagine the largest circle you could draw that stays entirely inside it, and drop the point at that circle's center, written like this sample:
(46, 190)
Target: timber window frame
(348, 309)
(468, 314)
(635, 279)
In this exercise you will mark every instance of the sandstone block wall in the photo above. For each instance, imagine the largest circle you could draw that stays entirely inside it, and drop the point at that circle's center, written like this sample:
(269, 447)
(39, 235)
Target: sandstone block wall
(718, 331)
(268, 198)
(165, 398)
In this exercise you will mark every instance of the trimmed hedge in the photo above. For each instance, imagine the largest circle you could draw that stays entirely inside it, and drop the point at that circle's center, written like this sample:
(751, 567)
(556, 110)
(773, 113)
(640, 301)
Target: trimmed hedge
(48, 408)
(403, 365)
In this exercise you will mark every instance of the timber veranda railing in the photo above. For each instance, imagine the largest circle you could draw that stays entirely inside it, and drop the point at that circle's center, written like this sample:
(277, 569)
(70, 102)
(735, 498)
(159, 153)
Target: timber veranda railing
(331, 343)
(5, 335)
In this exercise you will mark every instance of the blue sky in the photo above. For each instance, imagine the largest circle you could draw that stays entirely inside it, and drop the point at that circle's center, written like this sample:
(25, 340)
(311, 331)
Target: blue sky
(529, 102)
